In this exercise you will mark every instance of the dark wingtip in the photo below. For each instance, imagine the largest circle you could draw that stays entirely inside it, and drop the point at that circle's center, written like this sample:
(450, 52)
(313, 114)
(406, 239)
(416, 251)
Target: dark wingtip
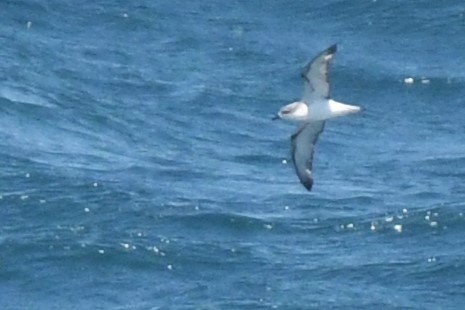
(332, 49)
(308, 184)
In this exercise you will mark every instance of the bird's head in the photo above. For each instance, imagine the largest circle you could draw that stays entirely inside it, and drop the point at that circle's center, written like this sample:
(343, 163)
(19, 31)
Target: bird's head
(296, 111)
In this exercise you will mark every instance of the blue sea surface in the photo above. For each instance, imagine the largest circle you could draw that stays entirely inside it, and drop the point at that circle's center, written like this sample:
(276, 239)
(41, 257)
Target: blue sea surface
(139, 167)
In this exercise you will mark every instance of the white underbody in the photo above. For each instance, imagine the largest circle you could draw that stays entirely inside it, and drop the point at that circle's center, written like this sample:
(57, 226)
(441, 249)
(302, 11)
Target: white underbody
(319, 111)
(330, 108)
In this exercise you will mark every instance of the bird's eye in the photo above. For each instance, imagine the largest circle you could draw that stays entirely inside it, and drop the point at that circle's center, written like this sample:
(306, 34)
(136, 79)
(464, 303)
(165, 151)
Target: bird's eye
(286, 111)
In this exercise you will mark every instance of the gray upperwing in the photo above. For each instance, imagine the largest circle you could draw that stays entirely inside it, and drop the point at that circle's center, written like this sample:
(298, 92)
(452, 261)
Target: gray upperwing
(316, 76)
(303, 144)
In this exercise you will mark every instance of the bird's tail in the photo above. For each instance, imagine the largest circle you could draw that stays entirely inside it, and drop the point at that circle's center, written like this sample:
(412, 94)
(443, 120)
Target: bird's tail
(340, 109)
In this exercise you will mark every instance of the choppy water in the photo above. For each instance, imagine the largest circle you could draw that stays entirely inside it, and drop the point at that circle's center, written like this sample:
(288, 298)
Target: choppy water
(140, 169)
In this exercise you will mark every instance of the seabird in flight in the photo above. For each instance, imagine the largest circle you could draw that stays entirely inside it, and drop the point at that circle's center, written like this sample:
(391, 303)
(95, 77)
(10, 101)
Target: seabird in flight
(311, 112)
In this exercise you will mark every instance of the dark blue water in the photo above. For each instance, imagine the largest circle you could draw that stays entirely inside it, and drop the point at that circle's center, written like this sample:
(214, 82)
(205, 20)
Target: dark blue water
(140, 169)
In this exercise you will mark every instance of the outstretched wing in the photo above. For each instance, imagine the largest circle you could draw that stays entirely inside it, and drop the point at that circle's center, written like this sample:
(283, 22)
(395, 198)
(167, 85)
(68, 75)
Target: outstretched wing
(316, 76)
(303, 144)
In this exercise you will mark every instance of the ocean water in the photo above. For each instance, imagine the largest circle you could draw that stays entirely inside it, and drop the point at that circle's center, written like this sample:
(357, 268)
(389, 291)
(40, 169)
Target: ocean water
(140, 169)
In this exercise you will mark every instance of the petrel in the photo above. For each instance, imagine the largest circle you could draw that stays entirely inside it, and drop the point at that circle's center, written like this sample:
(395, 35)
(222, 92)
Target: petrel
(311, 112)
